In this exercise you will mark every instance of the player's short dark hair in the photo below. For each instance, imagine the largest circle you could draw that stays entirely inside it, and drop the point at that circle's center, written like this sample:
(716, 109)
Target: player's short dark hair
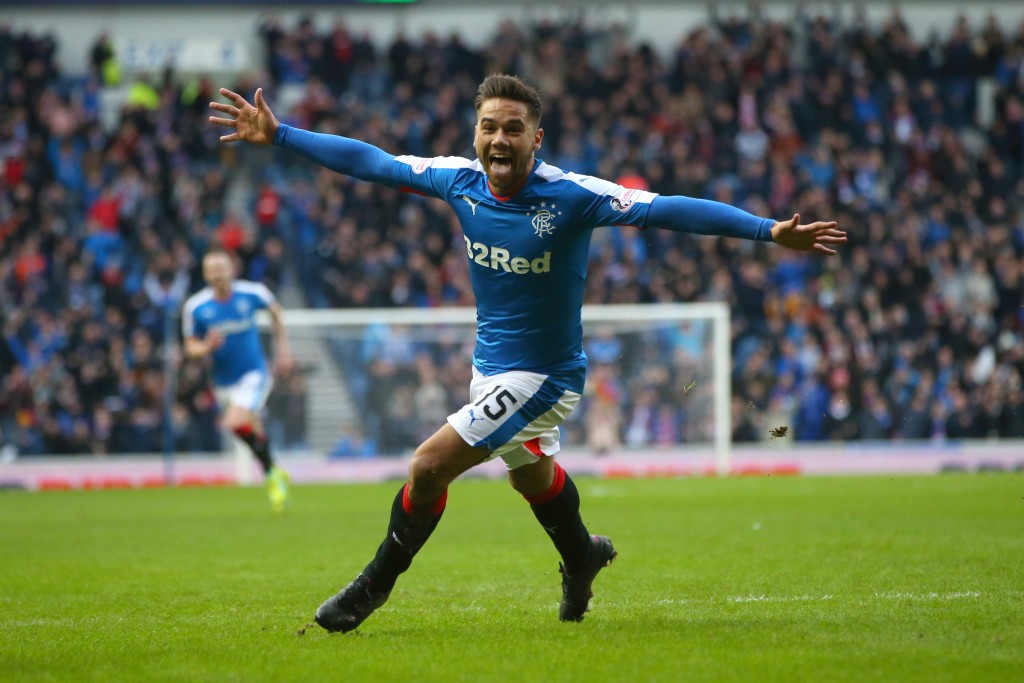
(509, 88)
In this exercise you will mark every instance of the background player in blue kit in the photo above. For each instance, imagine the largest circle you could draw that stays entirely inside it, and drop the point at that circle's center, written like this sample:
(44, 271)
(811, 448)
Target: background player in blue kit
(219, 321)
(527, 228)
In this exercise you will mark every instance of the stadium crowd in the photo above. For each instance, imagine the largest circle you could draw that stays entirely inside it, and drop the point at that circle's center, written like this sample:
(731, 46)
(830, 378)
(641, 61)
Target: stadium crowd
(916, 331)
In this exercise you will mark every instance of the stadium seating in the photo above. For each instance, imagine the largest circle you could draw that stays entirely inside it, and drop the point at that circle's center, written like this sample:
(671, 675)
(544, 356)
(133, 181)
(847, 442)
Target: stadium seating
(915, 332)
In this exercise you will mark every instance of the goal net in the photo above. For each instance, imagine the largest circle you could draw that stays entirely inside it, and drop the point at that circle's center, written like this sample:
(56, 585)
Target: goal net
(377, 382)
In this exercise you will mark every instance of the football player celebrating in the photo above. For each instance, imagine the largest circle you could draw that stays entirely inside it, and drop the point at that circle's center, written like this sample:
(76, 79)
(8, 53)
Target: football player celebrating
(527, 227)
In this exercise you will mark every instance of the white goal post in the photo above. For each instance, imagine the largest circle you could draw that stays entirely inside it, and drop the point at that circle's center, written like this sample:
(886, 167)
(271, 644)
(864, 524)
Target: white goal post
(666, 367)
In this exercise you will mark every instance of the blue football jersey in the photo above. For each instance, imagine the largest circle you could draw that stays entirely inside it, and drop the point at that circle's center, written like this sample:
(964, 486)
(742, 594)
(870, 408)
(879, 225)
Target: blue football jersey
(528, 252)
(528, 256)
(235, 318)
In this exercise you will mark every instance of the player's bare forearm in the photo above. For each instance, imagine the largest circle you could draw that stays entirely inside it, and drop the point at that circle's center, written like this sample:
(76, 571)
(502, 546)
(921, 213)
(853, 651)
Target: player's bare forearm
(282, 350)
(281, 347)
(821, 236)
(196, 348)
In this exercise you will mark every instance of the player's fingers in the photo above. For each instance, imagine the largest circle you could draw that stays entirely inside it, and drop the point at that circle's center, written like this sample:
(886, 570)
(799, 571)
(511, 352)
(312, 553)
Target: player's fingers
(227, 123)
(229, 138)
(233, 96)
(229, 109)
(819, 247)
(258, 98)
(831, 239)
(817, 227)
(788, 225)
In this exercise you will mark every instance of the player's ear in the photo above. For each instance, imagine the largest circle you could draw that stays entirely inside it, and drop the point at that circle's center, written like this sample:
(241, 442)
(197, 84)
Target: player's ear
(537, 137)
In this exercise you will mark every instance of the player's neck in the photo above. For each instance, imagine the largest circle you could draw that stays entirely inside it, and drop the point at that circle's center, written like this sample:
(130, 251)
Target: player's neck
(504, 196)
(224, 293)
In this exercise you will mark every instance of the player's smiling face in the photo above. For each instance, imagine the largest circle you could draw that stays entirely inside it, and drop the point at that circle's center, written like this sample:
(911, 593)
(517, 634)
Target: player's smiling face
(505, 140)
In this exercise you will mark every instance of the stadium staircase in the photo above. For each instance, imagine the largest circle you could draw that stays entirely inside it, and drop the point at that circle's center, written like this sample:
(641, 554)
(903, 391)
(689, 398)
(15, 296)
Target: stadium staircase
(329, 406)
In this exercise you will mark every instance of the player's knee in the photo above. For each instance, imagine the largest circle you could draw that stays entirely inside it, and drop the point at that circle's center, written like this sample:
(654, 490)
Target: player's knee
(238, 419)
(427, 471)
(529, 480)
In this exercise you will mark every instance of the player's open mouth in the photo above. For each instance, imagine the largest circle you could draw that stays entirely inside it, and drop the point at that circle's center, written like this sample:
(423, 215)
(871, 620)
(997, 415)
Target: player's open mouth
(501, 162)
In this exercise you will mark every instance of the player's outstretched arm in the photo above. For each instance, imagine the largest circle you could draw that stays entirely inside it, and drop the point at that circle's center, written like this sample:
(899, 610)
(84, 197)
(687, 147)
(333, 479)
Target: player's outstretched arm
(705, 217)
(256, 124)
(818, 236)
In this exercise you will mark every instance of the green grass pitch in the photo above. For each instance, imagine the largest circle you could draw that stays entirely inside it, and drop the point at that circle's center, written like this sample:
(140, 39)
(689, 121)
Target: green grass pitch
(718, 579)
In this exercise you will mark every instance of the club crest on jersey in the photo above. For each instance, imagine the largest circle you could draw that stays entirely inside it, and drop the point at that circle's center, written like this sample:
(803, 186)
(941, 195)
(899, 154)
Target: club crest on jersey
(541, 219)
(242, 306)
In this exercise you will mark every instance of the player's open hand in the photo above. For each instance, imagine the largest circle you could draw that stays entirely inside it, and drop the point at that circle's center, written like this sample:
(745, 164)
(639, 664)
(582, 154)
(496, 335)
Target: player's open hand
(251, 123)
(811, 237)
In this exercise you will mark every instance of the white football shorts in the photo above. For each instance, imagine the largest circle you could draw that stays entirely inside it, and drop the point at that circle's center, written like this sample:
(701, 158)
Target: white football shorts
(249, 392)
(515, 415)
